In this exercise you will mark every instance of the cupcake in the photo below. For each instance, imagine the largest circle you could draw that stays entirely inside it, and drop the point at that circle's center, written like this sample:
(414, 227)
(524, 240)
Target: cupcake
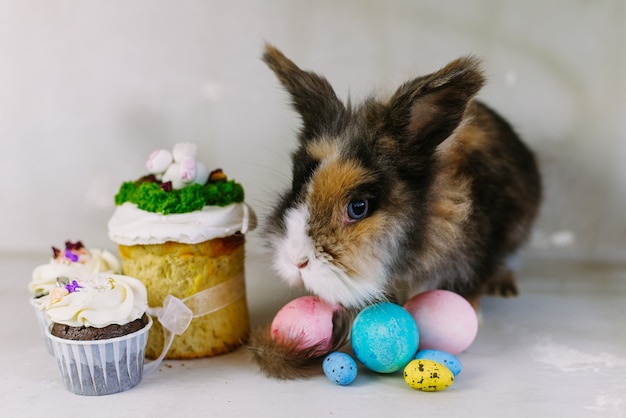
(180, 230)
(98, 330)
(73, 262)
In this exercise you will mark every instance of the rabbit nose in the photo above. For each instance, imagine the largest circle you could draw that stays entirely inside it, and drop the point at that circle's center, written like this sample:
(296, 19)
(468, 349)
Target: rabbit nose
(302, 264)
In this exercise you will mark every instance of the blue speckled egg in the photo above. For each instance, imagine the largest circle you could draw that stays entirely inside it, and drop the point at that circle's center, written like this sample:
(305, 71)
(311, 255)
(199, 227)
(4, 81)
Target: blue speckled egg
(384, 337)
(441, 357)
(340, 368)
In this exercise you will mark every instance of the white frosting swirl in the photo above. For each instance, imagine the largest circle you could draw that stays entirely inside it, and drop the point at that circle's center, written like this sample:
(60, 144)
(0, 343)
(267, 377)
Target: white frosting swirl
(130, 225)
(91, 262)
(103, 299)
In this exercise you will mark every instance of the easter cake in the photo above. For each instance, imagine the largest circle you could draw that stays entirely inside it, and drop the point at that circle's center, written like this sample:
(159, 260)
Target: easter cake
(180, 230)
(98, 330)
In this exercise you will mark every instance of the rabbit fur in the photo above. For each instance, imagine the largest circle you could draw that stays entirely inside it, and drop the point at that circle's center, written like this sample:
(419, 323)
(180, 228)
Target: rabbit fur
(426, 189)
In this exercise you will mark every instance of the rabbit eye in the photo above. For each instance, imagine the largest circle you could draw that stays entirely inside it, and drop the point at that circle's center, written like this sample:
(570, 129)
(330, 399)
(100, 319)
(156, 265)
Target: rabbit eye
(357, 209)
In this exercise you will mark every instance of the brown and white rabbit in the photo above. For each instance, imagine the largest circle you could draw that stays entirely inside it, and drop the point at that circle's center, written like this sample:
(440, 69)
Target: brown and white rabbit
(426, 189)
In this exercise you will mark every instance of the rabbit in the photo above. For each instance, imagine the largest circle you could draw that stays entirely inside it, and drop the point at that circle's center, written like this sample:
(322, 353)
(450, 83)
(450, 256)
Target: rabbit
(427, 189)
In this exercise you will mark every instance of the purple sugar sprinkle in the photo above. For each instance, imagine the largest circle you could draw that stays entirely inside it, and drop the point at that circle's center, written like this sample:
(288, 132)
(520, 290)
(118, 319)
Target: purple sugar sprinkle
(73, 287)
(71, 256)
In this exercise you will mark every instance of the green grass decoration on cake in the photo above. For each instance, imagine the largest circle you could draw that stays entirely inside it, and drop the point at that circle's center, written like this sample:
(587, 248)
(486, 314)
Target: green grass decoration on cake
(152, 196)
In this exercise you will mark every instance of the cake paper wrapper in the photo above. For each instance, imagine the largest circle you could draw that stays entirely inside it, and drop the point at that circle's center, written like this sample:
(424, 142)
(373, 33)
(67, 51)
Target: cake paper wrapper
(101, 367)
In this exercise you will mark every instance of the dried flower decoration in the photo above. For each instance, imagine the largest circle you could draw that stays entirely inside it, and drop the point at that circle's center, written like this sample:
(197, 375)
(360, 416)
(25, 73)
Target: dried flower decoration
(150, 178)
(73, 287)
(72, 253)
(167, 186)
(65, 283)
(58, 293)
(217, 175)
(71, 256)
(63, 288)
(74, 246)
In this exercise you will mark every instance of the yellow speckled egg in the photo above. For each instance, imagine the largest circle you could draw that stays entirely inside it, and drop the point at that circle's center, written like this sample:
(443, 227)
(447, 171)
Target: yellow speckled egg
(427, 375)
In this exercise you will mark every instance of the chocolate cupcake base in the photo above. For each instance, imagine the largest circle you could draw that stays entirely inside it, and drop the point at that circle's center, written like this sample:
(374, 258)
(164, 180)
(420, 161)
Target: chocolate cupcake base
(90, 333)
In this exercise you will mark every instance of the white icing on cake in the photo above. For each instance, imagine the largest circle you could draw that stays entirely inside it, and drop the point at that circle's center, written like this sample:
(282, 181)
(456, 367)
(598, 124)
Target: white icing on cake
(130, 225)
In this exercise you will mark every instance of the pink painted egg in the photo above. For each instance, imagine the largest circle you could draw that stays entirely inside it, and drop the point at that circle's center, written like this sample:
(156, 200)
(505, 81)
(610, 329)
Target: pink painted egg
(305, 323)
(445, 320)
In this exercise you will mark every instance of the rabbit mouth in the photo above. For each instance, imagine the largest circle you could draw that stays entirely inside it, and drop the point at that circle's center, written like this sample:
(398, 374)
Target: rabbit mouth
(332, 284)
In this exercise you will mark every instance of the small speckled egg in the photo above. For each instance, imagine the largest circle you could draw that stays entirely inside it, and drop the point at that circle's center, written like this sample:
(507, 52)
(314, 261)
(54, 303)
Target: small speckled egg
(427, 375)
(446, 320)
(384, 337)
(305, 323)
(441, 357)
(340, 368)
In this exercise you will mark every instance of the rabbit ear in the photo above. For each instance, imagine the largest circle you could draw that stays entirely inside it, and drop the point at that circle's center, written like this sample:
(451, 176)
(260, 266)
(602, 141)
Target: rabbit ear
(426, 110)
(312, 95)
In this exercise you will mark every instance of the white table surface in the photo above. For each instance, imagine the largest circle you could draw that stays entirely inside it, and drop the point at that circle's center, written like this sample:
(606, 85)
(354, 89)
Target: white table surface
(557, 350)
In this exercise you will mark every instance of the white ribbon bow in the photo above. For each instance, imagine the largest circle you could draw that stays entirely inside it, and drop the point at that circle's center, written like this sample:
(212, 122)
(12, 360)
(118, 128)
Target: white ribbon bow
(175, 315)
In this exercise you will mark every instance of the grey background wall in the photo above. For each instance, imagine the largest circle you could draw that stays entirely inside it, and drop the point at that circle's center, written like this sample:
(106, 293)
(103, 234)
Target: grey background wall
(89, 88)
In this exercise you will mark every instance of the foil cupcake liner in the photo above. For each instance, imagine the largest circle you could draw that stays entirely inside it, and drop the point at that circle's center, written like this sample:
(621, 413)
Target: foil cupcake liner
(101, 367)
